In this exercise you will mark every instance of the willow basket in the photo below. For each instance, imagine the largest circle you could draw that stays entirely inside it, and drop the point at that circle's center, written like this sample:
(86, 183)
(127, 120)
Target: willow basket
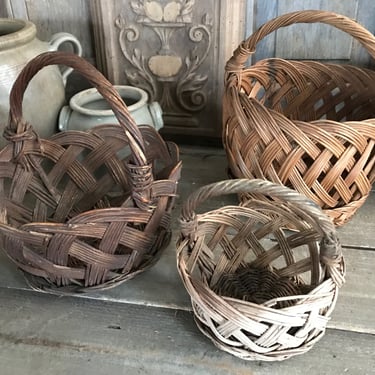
(84, 210)
(258, 290)
(304, 124)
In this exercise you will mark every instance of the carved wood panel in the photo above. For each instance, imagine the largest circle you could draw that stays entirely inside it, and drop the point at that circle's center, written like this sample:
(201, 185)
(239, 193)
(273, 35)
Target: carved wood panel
(175, 50)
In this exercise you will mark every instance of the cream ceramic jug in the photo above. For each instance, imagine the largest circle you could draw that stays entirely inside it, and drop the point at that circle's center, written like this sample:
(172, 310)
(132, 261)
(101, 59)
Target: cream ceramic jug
(45, 94)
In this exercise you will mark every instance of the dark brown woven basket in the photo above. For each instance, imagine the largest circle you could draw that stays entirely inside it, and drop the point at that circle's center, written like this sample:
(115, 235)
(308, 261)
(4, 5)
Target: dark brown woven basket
(260, 291)
(84, 210)
(303, 124)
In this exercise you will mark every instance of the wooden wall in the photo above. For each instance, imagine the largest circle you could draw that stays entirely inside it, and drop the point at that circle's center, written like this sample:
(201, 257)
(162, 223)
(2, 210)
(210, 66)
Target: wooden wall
(51, 16)
(318, 42)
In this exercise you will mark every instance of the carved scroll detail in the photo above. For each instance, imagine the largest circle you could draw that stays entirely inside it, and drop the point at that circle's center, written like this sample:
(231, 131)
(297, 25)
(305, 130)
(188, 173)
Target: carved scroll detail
(169, 76)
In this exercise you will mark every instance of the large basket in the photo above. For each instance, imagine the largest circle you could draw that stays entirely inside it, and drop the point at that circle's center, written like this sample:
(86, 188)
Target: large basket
(260, 291)
(303, 124)
(84, 210)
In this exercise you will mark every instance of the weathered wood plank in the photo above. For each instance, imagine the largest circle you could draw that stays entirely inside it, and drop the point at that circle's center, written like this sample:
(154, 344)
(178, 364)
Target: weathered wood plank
(5, 9)
(161, 286)
(315, 41)
(42, 334)
(365, 16)
(265, 11)
(360, 231)
(17, 9)
(356, 303)
(53, 16)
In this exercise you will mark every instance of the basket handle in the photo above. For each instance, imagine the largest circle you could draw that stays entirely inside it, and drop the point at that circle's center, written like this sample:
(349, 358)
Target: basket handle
(18, 130)
(331, 253)
(247, 47)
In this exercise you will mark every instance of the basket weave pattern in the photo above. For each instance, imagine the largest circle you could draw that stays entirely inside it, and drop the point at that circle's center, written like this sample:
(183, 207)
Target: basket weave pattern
(84, 210)
(303, 124)
(258, 290)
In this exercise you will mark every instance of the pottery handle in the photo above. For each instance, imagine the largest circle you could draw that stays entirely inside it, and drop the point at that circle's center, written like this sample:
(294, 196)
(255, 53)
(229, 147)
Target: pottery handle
(156, 115)
(55, 43)
(64, 117)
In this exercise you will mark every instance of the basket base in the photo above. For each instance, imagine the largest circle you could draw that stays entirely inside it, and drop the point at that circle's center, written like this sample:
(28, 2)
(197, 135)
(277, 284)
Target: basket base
(249, 355)
(342, 215)
(42, 284)
(258, 286)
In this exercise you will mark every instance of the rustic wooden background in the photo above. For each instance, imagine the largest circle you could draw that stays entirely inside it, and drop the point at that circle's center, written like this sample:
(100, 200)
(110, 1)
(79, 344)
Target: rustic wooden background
(319, 42)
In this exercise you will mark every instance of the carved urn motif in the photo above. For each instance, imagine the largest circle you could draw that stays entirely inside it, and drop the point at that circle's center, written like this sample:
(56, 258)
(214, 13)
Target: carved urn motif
(170, 73)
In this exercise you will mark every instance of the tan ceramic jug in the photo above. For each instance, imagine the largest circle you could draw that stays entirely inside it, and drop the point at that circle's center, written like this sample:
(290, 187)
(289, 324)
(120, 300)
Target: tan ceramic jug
(45, 94)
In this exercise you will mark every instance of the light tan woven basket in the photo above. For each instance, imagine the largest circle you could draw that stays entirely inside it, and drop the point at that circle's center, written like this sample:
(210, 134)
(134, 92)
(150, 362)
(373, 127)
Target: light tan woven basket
(84, 210)
(258, 290)
(304, 124)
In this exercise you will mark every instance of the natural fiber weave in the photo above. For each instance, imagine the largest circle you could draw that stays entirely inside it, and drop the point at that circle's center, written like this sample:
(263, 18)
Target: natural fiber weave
(84, 210)
(304, 124)
(260, 291)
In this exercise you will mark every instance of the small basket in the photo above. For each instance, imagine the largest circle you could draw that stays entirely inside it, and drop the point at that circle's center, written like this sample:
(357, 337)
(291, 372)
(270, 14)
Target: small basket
(84, 210)
(260, 291)
(303, 124)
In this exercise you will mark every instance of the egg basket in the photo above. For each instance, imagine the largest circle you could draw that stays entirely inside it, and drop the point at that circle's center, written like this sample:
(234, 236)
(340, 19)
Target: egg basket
(258, 290)
(303, 124)
(88, 210)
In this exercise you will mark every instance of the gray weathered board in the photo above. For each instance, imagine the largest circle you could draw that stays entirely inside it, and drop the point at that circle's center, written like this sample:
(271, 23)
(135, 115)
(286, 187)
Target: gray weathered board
(146, 326)
(224, 23)
(317, 41)
(41, 334)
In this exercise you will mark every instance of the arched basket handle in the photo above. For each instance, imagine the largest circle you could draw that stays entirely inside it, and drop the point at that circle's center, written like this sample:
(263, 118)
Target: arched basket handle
(331, 253)
(247, 47)
(18, 130)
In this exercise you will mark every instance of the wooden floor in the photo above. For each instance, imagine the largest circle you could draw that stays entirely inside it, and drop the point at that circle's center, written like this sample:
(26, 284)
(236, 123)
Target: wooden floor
(145, 326)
